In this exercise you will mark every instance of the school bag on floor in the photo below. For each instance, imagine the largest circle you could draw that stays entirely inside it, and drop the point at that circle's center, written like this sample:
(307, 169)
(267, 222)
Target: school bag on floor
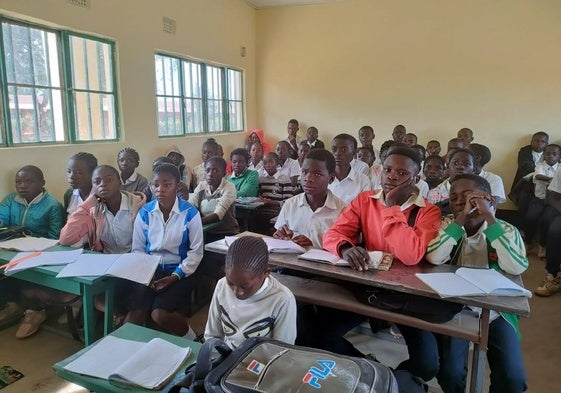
(261, 365)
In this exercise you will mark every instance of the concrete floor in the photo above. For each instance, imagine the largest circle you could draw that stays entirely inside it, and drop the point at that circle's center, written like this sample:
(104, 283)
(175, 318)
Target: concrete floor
(541, 342)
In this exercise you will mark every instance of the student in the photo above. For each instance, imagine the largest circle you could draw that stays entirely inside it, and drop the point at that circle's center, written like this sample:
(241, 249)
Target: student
(32, 207)
(257, 136)
(106, 219)
(348, 182)
(79, 175)
(248, 302)
(398, 133)
(433, 148)
(303, 149)
(482, 157)
(475, 239)
(209, 149)
(178, 159)
(244, 179)
(543, 174)
(410, 139)
(182, 189)
(366, 136)
(128, 160)
(366, 155)
(466, 135)
(304, 218)
(433, 170)
(375, 174)
(215, 197)
(379, 221)
(287, 166)
(293, 139)
(312, 140)
(171, 228)
(453, 145)
(256, 157)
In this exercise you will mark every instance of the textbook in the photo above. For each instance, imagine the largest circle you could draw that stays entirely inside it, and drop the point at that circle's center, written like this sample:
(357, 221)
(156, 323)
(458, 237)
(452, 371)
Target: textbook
(136, 267)
(274, 245)
(149, 365)
(378, 260)
(472, 282)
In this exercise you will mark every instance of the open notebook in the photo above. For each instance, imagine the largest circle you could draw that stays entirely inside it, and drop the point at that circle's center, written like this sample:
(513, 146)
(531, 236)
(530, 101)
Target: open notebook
(472, 282)
(378, 260)
(274, 245)
(149, 365)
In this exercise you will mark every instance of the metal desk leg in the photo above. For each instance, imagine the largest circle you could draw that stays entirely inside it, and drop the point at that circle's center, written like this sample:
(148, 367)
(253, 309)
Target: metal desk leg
(108, 317)
(89, 314)
(479, 352)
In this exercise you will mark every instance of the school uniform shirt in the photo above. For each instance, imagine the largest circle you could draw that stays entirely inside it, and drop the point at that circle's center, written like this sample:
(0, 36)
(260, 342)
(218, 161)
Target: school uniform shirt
(423, 187)
(72, 199)
(198, 174)
(360, 166)
(44, 216)
(439, 193)
(555, 184)
(543, 168)
(220, 202)
(270, 313)
(247, 183)
(297, 214)
(496, 183)
(317, 144)
(290, 168)
(277, 188)
(385, 228)
(293, 153)
(259, 167)
(179, 240)
(136, 182)
(352, 185)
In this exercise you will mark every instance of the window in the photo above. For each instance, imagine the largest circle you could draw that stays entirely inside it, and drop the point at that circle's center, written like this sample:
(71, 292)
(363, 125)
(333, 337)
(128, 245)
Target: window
(194, 97)
(56, 86)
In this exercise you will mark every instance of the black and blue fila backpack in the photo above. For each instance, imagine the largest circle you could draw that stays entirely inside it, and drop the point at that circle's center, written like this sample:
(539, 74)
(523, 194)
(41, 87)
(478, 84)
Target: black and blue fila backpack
(267, 366)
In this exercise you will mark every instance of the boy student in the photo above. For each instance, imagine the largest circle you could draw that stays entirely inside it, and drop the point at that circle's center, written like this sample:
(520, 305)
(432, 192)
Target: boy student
(303, 149)
(398, 133)
(248, 302)
(348, 182)
(482, 157)
(244, 179)
(178, 159)
(366, 136)
(410, 139)
(304, 218)
(287, 166)
(453, 145)
(128, 160)
(433, 148)
(256, 157)
(79, 175)
(543, 174)
(312, 138)
(209, 149)
(366, 155)
(433, 170)
(472, 237)
(292, 139)
(215, 197)
(379, 220)
(467, 135)
(171, 228)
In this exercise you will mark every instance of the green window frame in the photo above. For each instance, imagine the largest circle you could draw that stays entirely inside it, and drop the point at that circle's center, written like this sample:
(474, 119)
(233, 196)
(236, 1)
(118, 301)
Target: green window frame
(56, 86)
(194, 97)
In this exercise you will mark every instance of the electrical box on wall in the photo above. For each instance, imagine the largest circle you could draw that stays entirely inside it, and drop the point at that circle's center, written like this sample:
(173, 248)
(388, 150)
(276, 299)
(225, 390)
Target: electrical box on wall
(168, 25)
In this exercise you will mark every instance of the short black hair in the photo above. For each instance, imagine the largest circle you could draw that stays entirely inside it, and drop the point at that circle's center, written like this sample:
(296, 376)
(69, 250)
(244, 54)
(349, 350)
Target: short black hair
(219, 160)
(323, 155)
(240, 151)
(420, 147)
(371, 150)
(294, 121)
(131, 151)
(211, 142)
(438, 158)
(348, 138)
(541, 133)
(554, 145)
(433, 141)
(480, 183)
(386, 145)
(273, 155)
(367, 128)
(248, 253)
(108, 167)
(169, 169)
(482, 152)
(88, 158)
(285, 143)
(466, 151)
(407, 152)
(161, 160)
(34, 170)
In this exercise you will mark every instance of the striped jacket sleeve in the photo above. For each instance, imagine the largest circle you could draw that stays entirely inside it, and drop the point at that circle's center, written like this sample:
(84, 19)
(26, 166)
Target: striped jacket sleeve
(508, 243)
(440, 248)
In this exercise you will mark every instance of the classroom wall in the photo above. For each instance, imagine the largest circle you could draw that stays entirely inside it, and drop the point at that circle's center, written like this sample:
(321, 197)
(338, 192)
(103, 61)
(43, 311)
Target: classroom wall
(211, 30)
(433, 65)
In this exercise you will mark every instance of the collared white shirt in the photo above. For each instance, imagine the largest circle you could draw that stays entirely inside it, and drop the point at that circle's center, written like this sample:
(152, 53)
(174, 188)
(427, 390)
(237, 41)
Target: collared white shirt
(116, 233)
(297, 214)
(360, 166)
(130, 180)
(75, 201)
(555, 184)
(290, 168)
(496, 183)
(348, 188)
(423, 187)
(439, 193)
(257, 167)
(537, 156)
(543, 168)
(414, 199)
(217, 201)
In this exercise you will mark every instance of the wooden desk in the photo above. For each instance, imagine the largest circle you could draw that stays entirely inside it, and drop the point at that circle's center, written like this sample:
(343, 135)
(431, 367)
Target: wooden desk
(402, 278)
(86, 287)
(244, 211)
(131, 332)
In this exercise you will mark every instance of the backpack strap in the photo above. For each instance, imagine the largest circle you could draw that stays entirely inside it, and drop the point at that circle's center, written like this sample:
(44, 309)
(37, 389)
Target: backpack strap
(413, 215)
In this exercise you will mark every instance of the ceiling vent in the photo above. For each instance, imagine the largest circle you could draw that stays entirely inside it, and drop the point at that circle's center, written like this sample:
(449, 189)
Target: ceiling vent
(168, 25)
(80, 3)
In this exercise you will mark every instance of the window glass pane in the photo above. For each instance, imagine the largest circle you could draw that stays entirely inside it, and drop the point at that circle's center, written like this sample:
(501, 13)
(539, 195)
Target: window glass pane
(169, 116)
(235, 109)
(215, 115)
(194, 115)
(193, 86)
(95, 116)
(91, 64)
(214, 83)
(234, 85)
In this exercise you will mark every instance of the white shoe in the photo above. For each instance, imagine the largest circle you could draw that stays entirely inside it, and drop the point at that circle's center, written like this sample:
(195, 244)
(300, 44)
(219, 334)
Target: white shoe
(30, 323)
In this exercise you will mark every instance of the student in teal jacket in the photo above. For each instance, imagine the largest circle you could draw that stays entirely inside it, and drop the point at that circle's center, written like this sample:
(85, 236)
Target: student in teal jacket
(31, 206)
(245, 180)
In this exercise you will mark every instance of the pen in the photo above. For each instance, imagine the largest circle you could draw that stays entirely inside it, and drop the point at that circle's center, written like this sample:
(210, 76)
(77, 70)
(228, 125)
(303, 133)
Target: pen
(473, 209)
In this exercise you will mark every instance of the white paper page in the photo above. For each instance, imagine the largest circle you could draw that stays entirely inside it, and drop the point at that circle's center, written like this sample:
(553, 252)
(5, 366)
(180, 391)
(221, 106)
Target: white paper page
(316, 254)
(28, 243)
(104, 357)
(449, 284)
(375, 258)
(284, 246)
(89, 265)
(47, 258)
(136, 267)
(230, 239)
(492, 282)
(152, 365)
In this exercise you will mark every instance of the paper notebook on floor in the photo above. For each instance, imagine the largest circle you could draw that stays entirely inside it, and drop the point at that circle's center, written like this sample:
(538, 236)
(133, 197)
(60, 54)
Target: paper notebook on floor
(136, 267)
(472, 282)
(378, 260)
(149, 365)
(274, 245)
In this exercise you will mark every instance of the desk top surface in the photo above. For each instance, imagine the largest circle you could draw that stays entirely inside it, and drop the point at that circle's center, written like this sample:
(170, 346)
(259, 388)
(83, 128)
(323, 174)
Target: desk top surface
(128, 331)
(399, 278)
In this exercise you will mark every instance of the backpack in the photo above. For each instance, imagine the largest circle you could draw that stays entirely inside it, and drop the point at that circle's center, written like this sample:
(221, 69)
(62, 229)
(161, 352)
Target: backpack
(261, 365)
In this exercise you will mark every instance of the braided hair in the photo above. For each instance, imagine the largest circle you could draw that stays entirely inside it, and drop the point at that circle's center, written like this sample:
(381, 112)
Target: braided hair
(248, 253)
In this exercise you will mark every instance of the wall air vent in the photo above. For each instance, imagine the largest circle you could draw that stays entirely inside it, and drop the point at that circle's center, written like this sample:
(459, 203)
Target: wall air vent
(168, 25)
(80, 3)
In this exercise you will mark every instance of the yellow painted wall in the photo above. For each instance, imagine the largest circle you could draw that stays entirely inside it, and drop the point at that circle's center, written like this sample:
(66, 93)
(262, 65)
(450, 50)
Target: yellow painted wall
(433, 65)
(212, 30)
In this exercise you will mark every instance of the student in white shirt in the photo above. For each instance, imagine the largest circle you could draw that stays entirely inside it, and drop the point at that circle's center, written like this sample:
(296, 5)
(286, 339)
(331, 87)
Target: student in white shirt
(256, 157)
(79, 175)
(287, 166)
(348, 182)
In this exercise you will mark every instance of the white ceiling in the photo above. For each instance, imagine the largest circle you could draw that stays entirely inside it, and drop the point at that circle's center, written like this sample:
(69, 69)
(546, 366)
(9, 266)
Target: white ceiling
(279, 3)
